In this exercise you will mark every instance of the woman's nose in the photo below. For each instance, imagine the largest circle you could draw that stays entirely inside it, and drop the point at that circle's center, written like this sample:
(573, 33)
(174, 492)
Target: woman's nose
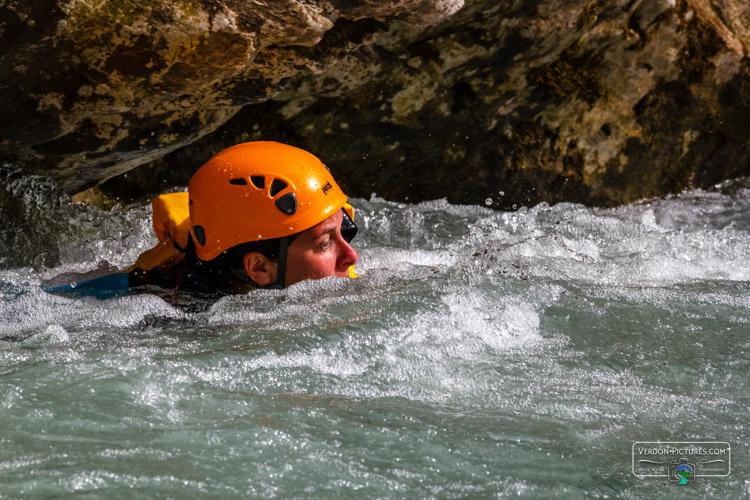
(348, 256)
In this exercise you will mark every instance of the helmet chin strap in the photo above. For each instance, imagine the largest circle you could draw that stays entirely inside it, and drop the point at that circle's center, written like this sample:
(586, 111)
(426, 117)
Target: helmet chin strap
(281, 270)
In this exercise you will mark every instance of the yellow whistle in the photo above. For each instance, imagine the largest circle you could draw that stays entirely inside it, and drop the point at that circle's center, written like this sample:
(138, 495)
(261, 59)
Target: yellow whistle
(352, 274)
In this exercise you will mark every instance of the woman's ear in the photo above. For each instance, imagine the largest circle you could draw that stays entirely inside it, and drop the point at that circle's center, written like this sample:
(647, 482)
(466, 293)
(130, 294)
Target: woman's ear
(259, 268)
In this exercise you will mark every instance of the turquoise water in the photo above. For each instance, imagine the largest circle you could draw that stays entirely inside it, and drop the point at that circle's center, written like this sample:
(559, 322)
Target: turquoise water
(481, 354)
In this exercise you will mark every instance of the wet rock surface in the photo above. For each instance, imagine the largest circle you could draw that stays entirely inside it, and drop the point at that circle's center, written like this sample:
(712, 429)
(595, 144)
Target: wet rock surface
(600, 102)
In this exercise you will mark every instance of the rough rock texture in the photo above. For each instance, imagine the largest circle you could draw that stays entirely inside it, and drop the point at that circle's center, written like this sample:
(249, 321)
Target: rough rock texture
(90, 89)
(599, 101)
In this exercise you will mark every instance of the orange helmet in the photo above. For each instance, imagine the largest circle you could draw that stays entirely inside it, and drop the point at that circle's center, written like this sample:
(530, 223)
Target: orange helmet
(258, 191)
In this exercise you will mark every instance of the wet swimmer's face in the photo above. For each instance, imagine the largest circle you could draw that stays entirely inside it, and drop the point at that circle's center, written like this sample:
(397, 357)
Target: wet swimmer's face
(318, 252)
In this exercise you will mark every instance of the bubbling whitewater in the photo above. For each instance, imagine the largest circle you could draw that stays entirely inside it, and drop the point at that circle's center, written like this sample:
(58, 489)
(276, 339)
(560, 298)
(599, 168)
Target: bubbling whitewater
(481, 353)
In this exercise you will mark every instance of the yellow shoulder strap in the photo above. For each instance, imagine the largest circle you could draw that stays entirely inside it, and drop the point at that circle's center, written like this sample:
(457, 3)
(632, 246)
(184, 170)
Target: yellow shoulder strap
(172, 218)
(172, 226)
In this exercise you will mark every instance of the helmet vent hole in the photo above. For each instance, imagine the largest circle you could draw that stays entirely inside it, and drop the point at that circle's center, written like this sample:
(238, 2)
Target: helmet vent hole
(276, 187)
(287, 203)
(258, 181)
(200, 234)
(238, 182)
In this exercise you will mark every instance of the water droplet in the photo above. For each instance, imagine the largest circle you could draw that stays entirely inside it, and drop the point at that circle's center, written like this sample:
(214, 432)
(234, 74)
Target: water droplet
(515, 206)
(260, 236)
(488, 201)
(502, 193)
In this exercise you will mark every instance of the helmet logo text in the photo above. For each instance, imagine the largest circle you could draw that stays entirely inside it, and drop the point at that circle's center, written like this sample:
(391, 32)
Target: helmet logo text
(327, 188)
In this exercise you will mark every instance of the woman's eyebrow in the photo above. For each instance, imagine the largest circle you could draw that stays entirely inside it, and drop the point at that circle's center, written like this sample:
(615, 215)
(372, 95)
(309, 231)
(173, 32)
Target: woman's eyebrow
(331, 230)
(323, 230)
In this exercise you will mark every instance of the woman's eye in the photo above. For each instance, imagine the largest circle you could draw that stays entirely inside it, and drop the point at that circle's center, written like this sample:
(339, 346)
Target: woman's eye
(325, 244)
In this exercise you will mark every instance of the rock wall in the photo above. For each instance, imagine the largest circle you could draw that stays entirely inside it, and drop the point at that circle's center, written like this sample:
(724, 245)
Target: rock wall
(601, 102)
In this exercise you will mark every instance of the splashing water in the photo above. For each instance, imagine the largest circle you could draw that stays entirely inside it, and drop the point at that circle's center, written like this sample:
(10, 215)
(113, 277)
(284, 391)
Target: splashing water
(481, 353)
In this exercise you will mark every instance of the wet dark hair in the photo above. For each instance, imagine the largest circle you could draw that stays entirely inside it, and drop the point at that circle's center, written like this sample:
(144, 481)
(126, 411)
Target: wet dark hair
(234, 256)
(226, 274)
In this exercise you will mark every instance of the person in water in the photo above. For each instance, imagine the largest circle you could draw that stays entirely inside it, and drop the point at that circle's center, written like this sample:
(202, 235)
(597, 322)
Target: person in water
(256, 215)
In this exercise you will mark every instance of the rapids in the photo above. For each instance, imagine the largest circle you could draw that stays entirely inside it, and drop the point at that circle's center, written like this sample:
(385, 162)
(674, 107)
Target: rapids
(480, 354)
